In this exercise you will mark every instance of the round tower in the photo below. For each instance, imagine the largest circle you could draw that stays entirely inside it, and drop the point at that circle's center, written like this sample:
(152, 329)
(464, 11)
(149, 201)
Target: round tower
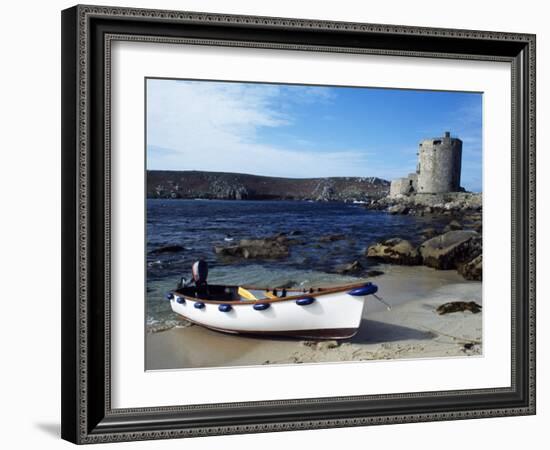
(439, 165)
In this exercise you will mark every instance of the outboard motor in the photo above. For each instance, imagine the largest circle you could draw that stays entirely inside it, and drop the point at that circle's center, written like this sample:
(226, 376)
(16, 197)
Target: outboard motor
(200, 275)
(199, 272)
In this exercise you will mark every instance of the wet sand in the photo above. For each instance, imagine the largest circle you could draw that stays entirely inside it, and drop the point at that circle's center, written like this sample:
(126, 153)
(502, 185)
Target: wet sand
(412, 329)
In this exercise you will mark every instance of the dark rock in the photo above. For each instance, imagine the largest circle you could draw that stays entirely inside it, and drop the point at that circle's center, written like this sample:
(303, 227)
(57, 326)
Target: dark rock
(472, 270)
(452, 226)
(429, 233)
(451, 249)
(452, 307)
(297, 242)
(332, 238)
(295, 233)
(167, 249)
(398, 209)
(374, 273)
(396, 251)
(351, 268)
(477, 226)
(265, 248)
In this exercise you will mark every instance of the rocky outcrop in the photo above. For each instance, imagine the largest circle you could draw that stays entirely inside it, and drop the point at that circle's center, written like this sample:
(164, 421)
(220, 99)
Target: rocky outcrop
(455, 249)
(332, 238)
(237, 186)
(167, 249)
(422, 204)
(429, 233)
(472, 270)
(396, 251)
(374, 273)
(273, 247)
(352, 268)
(398, 209)
(324, 191)
(224, 189)
(452, 249)
(452, 226)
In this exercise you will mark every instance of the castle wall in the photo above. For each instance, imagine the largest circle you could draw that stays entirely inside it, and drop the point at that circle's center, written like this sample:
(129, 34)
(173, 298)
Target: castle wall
(403, 186)
(440, 162)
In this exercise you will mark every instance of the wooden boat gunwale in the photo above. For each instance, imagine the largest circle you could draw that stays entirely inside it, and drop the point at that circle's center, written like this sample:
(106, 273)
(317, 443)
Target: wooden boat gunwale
(316, 293)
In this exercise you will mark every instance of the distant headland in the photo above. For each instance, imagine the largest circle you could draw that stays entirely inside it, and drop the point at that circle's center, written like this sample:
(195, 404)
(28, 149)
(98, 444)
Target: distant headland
(237, 186)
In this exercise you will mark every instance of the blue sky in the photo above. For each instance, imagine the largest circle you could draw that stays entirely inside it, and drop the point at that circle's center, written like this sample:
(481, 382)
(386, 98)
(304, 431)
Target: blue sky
(305, 131)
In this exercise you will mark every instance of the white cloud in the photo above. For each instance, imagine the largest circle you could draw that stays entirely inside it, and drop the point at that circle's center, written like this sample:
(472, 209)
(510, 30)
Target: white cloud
(214, 126)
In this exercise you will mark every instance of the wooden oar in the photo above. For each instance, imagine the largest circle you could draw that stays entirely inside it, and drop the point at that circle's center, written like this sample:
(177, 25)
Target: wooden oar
(245, 293)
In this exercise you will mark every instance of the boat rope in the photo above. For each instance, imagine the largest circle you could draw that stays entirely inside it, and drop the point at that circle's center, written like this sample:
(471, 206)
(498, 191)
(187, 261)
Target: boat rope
(381, 300)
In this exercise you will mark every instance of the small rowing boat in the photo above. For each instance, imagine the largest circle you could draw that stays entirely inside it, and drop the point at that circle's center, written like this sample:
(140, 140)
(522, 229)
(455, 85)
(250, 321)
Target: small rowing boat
(318, 313)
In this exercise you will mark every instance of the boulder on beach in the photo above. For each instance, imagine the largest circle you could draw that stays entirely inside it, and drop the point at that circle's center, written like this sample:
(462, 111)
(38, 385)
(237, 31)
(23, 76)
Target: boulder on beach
(451, 249)
(273, 247)
(472, 270)
(396, 251)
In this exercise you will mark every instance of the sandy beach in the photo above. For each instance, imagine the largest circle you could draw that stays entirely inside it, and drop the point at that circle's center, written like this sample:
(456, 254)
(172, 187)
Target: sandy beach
(412, 329)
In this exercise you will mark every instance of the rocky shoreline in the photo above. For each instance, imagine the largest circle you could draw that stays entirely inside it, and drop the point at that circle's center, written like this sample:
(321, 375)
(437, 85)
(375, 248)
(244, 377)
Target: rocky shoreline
(458, 246)
(460, 250)
(455, 246)
(448, 236)
(422, 204)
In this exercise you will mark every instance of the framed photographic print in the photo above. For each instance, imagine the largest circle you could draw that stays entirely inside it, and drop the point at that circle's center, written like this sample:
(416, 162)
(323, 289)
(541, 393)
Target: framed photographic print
(267, 222)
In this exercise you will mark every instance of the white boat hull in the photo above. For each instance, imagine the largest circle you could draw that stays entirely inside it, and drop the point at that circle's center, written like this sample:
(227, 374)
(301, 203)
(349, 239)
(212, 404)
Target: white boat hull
(330, 316)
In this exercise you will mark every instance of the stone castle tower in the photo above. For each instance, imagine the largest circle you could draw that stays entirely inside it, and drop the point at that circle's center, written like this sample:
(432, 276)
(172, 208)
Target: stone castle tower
(438, 169)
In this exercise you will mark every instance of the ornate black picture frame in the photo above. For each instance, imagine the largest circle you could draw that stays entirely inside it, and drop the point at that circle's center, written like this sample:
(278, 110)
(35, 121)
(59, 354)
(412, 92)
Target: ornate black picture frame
(87, 34)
